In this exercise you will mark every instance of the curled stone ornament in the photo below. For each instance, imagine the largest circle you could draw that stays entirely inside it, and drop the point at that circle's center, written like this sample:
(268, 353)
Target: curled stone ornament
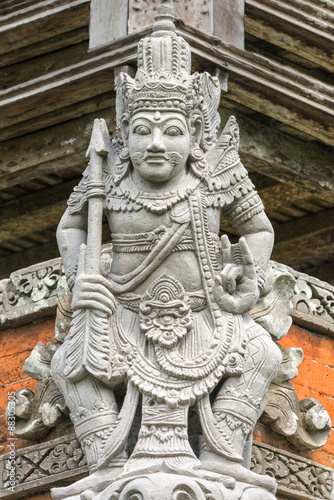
(165, 315)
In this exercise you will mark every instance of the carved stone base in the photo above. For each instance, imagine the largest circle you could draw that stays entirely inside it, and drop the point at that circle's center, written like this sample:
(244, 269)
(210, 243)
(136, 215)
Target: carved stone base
(158, 486)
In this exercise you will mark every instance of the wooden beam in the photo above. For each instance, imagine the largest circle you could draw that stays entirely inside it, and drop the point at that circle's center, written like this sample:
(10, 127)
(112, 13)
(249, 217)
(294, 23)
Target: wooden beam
(306, 165)
(50, 45)
(308, 239)
(97, 105)
(312, 251)
(38, 253)
(263, 85)
(299, 26)
(26, 258)
(37, 66)
(62, 88)
(324, 272)
(310, 225)
(40, 21)
(34, 212)
(52, 150)
(272, 89)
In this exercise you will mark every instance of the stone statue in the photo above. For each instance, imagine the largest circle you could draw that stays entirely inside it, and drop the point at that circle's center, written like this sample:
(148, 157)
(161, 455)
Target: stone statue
(165, 335)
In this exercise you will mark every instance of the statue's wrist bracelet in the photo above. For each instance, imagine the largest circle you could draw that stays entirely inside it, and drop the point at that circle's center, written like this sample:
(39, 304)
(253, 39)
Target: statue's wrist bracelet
(261, 276)
(70, 274)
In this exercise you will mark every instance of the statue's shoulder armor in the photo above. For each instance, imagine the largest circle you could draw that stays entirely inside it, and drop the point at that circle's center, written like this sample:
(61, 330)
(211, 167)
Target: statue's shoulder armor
(77, 202)
(228, 185)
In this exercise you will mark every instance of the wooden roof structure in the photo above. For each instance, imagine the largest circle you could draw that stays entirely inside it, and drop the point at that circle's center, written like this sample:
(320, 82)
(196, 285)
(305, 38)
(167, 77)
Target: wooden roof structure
(57, 75)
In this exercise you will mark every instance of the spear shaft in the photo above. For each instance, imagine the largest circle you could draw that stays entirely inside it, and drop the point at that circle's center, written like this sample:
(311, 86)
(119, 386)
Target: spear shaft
(97, 150)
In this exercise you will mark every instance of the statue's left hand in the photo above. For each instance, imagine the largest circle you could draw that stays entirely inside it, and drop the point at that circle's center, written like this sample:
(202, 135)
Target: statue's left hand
(236, 288)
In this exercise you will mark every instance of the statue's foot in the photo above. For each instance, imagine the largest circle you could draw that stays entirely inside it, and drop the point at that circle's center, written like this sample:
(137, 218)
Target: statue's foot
(144, 465)
(80, 489)
(215, 463)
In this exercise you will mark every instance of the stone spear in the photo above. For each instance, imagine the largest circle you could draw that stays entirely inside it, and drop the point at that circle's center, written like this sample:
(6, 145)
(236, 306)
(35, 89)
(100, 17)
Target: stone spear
(88, 341)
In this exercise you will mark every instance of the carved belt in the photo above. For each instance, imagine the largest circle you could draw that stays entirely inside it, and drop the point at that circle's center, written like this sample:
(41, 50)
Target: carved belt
(131, 301)
(145, 242)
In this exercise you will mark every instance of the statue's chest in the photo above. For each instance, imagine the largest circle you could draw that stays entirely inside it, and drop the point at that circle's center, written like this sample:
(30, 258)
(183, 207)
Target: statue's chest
(137, 221)
(141, 221)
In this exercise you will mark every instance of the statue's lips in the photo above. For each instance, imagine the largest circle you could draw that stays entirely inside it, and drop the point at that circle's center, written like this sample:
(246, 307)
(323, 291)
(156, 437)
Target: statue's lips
(156, 159)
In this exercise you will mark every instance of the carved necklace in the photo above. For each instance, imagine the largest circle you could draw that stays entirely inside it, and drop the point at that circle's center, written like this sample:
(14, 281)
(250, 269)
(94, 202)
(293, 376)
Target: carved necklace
(158, 202)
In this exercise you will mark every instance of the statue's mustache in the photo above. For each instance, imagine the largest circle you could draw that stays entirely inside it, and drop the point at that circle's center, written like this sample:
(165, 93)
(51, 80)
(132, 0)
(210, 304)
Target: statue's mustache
(171, 156)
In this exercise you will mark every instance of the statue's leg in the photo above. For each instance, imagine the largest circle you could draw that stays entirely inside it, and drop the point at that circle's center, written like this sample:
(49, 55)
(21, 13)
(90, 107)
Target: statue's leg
(93, 410)
(238, 403)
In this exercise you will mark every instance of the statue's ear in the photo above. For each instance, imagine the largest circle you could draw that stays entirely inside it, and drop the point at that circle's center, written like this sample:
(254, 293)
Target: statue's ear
(124, 128)
(196, 127)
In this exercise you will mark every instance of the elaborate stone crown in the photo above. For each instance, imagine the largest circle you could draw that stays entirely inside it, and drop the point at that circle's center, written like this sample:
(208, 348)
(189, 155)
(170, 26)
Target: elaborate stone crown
(164, 82)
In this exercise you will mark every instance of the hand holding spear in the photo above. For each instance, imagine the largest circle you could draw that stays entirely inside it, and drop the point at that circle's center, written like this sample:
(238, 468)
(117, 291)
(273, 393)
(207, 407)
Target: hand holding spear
(88, 349)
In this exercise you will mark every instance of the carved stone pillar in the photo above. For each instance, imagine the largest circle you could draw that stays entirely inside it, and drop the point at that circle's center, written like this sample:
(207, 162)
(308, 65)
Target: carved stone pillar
(112, 19)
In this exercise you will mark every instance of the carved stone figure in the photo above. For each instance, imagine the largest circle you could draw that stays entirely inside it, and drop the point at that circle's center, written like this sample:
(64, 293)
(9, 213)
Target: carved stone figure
(170, 321)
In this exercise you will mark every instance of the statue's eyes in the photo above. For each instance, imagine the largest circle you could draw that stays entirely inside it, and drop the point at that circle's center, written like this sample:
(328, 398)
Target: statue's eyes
(142, 130)
(173, 130)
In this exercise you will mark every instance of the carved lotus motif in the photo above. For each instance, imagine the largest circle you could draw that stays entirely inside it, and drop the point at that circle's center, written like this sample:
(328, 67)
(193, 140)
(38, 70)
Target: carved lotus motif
(165, 314)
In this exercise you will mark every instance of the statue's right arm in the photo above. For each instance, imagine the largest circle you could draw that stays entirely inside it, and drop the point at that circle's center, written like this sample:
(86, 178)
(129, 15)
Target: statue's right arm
(89, 291)
(71, 233)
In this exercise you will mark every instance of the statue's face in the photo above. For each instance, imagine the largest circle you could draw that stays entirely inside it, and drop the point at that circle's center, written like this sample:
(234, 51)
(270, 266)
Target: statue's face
(159, 144)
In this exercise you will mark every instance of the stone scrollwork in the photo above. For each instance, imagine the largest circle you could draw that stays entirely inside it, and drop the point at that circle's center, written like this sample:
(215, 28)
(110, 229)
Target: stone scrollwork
(296, 477)
(37, 413)
(30, 292)
(273, 310)
(165, 314)
(306, 424)
(313, 303)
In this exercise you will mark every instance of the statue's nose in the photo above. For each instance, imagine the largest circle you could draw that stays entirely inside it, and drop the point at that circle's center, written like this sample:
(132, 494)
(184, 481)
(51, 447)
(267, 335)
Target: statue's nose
(156, 145)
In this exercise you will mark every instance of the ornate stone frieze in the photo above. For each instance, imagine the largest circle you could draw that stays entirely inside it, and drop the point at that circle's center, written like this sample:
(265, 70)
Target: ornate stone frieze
(61, 460)
(30, 293)
(313, 303)
(42, 466)
(296, 476)
(194, 12)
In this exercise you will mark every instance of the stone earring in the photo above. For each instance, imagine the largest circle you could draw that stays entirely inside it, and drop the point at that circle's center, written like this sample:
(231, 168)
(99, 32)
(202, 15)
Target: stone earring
(198, 164)
(196, 153)
(124, 154)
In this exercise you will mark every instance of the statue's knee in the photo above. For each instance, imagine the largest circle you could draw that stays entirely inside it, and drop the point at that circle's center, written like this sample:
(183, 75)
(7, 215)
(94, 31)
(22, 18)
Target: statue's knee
(270, 355)
(274, 355)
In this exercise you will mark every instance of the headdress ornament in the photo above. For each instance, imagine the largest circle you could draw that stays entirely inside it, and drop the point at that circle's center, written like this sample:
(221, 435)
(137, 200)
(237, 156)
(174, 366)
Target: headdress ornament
(164, 82)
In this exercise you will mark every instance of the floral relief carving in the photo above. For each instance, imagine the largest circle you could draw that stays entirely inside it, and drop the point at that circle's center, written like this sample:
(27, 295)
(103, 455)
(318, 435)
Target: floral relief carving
(63, 457)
